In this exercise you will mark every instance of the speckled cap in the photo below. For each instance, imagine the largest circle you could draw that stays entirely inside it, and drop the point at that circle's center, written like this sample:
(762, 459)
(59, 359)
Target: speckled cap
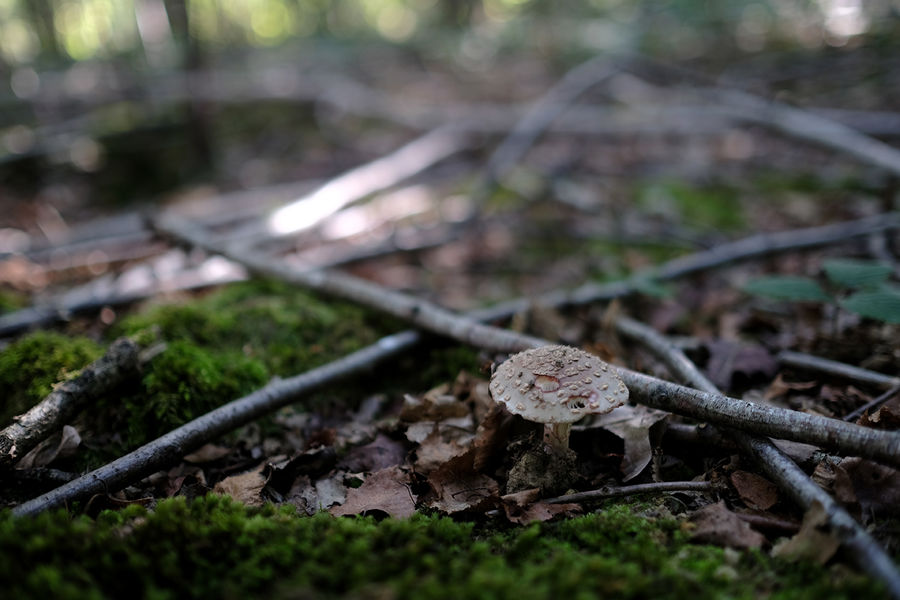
(557, 384)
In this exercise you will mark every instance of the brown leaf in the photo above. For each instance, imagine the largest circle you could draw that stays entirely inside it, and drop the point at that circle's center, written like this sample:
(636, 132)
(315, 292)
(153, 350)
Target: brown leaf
(715, 524)
(525, 507)
(386, 491)
(457, 487)
(439, 447)
(245, 487)
(756, 492)
(811, 542)
(380, 453)
(780, 387)
(207, 453)
(876, 487)
(436, 404)
(886, 417)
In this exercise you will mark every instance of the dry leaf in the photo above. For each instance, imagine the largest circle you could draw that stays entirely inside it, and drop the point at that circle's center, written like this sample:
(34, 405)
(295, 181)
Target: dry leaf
(756, 492)
(245, 487)
(780, 387)
(886, 417)
(715, 524)
(811, 542)
(876, 487)
(438, 448)
(207, 453)
(386, 491)
(380, 453)
(632, 424)
(525, 507)
(435, 405)
(59, 445)
(457, 487)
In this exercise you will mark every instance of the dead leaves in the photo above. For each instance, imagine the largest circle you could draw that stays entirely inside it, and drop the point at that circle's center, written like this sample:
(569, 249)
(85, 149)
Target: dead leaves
(715, 524)
(386, 492)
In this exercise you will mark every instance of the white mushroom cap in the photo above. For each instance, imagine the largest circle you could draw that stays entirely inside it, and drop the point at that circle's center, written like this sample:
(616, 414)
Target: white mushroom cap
(557, 384)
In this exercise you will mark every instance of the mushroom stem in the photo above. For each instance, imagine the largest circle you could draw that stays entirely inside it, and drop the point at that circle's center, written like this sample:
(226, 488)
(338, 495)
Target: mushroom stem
(556, 435)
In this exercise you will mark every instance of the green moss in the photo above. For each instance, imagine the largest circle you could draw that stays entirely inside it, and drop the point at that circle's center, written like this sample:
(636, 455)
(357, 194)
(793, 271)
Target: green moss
(228, 343)
(287, 329)
(11, 300)
(215, 548)
(31, 365)
(184, 382)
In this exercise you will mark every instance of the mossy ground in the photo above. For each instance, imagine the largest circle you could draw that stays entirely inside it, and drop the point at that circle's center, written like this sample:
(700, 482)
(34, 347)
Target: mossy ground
(215, 548)
(29, 368)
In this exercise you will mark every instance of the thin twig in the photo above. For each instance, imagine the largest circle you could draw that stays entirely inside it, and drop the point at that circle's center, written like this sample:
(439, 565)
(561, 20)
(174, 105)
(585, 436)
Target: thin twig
(359, 182)
(754, 246)
(808, 362)
(865, 551)
(413, 310)
(872, 405)
(632, 490)
(707, 406)
(54, 411)
(664, 395)
(169, 448)
(804, 125)
(541, 114)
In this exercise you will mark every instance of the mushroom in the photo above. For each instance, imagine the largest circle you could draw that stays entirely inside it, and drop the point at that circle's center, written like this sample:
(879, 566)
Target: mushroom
(557, 385)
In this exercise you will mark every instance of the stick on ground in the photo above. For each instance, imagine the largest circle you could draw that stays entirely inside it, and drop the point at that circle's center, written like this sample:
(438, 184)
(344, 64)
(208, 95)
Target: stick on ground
(864, 550)
(69, 397)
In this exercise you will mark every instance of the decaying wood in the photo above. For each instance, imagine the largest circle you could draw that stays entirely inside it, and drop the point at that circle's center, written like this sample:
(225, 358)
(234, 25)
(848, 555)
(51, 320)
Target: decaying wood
(864, 550)
(50, 414)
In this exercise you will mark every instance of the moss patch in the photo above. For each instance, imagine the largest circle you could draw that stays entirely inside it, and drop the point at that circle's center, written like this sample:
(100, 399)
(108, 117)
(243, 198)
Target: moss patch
(31, 365)
(288, 330)
(184, 382)
(215, 548)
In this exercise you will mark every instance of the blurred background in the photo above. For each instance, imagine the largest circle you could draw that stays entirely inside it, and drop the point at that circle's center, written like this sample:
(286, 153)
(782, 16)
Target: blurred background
(131, 105)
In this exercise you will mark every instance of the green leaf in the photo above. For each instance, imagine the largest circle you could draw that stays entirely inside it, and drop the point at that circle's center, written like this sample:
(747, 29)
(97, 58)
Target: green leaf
(856, 274)
(798, 289)
(883, 305)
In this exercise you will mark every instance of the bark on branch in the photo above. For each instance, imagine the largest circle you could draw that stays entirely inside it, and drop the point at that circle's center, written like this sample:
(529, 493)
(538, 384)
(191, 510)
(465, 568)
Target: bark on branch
(54, 411)
(864, 550)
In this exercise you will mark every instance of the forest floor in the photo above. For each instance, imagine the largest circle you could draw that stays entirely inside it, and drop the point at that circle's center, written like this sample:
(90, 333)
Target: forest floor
(651, 219)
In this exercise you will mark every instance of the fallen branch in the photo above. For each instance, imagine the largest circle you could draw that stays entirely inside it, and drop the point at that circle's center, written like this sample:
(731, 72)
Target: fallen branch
(872, 405)
(864, 550)
(172, 446)
(754, 246)
(804, 125)
(378, 175)
(632, 490)
(413, 310)
(538, 117)
(169, 448)
(706, 406)
(807, 362)
(54, 411)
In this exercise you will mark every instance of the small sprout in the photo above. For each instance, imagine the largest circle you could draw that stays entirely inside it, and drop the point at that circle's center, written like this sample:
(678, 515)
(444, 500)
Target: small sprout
(551, 389)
